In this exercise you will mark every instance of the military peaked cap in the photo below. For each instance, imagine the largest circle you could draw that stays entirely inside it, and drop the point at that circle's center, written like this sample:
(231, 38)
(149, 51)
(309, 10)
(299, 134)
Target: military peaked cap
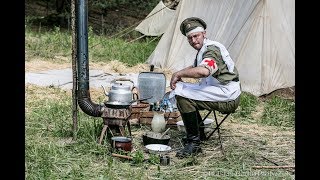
(190, 24)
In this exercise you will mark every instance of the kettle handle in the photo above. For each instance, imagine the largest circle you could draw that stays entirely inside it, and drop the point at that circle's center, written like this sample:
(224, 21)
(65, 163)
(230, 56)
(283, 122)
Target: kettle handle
(125, 79)
(122, 79)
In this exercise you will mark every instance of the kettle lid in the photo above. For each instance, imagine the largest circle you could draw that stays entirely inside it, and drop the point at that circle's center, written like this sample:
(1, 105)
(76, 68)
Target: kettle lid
(120, 86)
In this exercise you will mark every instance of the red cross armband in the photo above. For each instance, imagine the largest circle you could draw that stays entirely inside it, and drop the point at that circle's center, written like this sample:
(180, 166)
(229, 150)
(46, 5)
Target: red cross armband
(210, 64)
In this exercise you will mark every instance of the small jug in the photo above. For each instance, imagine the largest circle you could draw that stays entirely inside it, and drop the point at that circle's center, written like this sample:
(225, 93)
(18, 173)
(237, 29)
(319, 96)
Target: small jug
(158, 123)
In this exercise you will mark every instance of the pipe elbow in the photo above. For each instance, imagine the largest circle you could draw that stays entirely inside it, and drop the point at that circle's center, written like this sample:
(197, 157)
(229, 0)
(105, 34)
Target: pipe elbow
(87, 106)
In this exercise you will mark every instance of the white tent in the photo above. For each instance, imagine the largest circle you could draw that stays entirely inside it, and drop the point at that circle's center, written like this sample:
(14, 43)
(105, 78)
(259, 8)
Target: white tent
(157, 20)
(259, 34)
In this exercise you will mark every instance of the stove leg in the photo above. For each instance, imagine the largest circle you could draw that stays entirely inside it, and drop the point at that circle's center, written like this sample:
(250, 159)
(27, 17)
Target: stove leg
(122, 131)
(104, 129)
(129, 128)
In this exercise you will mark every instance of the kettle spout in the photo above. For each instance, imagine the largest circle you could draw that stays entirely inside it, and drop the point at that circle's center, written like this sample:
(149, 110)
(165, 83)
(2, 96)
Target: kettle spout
(105, 92)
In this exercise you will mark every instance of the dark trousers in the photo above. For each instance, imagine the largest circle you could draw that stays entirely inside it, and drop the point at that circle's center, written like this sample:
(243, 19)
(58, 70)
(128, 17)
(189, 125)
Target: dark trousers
(186, 105)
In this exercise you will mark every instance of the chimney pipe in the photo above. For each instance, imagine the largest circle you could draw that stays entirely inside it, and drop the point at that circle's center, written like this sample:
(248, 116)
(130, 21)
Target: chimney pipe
(84, 100)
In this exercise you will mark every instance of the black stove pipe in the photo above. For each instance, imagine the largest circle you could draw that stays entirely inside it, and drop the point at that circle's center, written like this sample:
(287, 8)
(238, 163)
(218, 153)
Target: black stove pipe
(84, 100)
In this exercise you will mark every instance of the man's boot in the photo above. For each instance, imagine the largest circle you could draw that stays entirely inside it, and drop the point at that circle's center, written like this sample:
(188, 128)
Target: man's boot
(201, 127)
(192, 146)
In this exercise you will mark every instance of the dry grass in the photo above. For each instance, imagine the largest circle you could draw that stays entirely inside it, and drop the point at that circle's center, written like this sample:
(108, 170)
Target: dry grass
(37, 65)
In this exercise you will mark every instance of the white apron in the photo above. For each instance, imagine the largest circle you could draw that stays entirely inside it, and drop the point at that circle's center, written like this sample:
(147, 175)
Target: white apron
(209, 88)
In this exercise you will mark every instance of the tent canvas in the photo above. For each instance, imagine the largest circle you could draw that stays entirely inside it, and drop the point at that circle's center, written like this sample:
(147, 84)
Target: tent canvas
(157, 20)
(259, 34)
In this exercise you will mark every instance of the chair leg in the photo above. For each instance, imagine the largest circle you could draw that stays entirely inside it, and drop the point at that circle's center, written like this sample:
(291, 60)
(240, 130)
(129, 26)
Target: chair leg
(217, 124)
(201, 125)
(218, 129)
(219, 135)
(222, 150)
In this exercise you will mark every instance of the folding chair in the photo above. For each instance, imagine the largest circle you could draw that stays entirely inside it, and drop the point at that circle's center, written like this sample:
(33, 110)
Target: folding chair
(217, 126)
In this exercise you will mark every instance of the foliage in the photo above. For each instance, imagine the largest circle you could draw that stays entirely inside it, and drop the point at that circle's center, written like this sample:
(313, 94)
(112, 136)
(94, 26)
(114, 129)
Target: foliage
(106, 17)
(130, 4)
(138, 157)
(102, 4)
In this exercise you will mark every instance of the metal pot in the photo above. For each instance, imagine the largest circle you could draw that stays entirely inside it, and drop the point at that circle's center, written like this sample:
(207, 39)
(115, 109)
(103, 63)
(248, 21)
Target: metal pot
(151, 137)
(121, 143)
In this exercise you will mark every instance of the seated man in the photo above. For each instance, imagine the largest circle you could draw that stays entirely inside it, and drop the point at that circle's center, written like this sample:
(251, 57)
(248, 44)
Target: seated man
(218, 88)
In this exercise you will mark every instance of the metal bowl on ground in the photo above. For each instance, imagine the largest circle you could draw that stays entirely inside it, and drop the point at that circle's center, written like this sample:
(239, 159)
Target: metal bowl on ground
(207, 124)
(158, 148)
(155, 138)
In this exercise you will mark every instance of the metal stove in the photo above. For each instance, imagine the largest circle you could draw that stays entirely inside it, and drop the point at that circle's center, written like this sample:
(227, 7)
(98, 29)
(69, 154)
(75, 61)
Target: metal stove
(116, 119)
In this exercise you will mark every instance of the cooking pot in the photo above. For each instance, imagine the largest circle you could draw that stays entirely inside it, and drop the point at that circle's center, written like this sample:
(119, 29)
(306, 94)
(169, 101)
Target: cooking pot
(151, 137)
(121, 143)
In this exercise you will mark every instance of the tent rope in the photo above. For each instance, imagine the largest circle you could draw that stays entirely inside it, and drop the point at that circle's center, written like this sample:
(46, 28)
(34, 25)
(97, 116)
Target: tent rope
(154, 39)
(142, 37)
(139, 22)
(136, 39)
(118, 34)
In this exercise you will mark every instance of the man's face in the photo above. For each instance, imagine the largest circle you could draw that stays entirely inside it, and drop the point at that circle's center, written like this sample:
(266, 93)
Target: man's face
(196, 39)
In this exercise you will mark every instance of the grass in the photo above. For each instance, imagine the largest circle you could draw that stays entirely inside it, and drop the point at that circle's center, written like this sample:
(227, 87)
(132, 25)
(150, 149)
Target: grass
(248, 102)
(52, 154)
(259, 130)
(49, 44)
(279, 112)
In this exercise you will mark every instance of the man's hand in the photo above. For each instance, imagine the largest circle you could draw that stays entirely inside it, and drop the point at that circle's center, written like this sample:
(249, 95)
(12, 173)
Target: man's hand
(189, 72)
(174, 79)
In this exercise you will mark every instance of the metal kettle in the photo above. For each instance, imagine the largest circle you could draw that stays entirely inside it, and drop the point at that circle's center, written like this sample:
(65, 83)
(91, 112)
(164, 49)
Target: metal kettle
(120, 94)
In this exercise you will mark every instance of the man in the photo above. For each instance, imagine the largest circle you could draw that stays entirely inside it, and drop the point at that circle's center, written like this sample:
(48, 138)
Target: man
(218, 88)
